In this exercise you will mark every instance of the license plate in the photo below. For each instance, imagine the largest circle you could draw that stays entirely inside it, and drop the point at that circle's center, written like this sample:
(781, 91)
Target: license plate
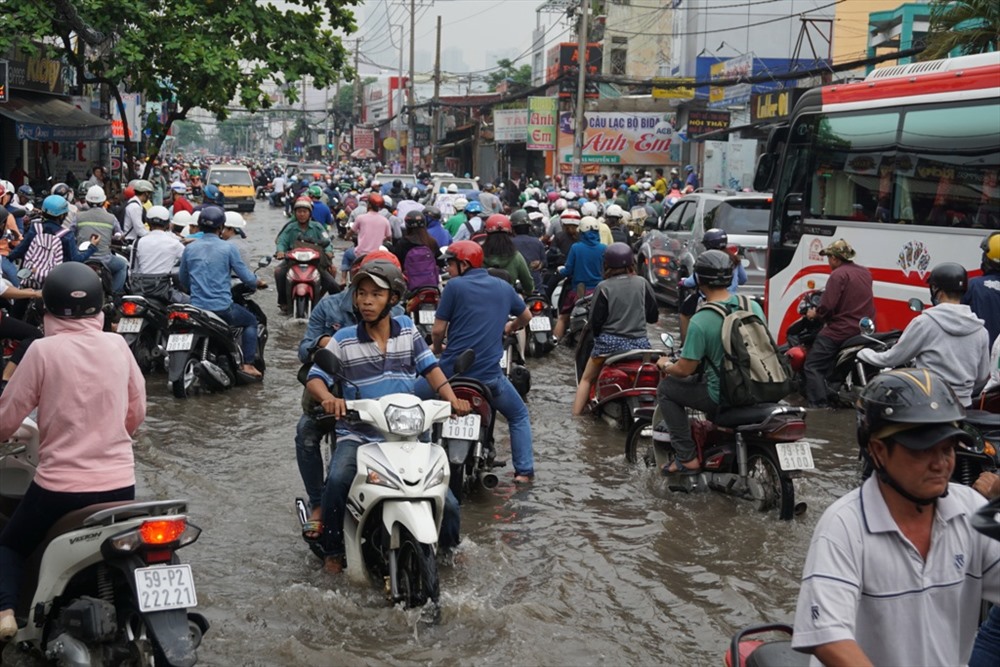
(129, 325)
(179, 342)
(540, 323)
(503, 360)
(794, 455)
(425, 316)
(165, 587)
(462, 428)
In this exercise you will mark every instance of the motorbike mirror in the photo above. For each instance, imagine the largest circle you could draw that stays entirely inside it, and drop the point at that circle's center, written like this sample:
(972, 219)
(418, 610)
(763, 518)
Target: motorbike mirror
(328, 361)
(24, 274)
(264, 261)
(465, 361)
(867, 326)
(916, 305)
(667, 340)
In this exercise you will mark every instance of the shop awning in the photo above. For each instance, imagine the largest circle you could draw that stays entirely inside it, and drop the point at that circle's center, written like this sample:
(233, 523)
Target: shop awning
(51, 119)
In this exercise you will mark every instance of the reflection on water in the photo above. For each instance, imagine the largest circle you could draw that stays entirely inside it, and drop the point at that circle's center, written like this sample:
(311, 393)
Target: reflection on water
(597, 562)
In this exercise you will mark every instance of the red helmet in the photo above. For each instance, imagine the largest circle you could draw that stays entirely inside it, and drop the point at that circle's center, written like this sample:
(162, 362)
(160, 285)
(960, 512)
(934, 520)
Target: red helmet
(465, 251)
(498, 222)
(796, 357)
(375, 201)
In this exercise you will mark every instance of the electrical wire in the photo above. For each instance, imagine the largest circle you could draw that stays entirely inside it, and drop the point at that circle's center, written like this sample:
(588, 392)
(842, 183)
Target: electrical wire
(749, 25)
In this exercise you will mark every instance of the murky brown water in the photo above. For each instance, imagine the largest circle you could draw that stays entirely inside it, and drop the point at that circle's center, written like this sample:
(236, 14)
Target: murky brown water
(596, 563)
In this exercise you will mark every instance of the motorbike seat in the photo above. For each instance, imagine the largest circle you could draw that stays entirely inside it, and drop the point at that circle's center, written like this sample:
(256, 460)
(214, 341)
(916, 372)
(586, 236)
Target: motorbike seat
(983, 420)
(652, 355)
(864, 340)
(777, 654)
(750, 415)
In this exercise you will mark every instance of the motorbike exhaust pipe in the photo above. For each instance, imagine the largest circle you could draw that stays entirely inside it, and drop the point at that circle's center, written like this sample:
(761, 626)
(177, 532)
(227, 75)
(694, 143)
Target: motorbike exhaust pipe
(490, 480)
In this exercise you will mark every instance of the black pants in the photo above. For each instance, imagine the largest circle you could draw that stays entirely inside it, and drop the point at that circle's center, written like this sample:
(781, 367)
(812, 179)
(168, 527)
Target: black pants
(15, 329)
(326, 280)
(822, 355)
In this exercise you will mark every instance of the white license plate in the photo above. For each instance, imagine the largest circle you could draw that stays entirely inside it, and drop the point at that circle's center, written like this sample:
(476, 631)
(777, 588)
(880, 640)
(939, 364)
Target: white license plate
(503, 360)
(425, 316)
(794, 455)
(179, 342)
(540, 323)
(164, 587)
(129, 324)
(462, 428)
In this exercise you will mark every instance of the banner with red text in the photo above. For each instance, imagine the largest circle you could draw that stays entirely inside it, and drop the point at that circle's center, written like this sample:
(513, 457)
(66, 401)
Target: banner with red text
(620, 138)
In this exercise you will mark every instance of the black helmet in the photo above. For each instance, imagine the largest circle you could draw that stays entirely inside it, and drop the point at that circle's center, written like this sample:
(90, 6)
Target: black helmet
(212, 217)
(63, 191)
(415, 220)
(715, 239)
(385, 275)
(397, 184)
(432, 212)
(519, 218)
(714, 268)
(619, 256)
(949, 277)
(73, 290)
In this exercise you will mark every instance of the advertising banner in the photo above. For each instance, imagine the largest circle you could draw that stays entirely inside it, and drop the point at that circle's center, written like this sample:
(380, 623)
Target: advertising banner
(564, 58)
(702, 122)
(364, 137)
(774, 106)
(673, 89)
(510, 126)
(133, 112)
(620, 138)
(740, 67)
(542, 116)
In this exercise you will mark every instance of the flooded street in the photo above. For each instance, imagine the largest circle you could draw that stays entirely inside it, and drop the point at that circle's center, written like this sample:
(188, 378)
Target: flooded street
(595, 563)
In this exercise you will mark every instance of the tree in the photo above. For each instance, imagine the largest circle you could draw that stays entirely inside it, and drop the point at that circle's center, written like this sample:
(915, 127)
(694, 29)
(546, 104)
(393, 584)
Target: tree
(971, 26)
(209, 54)
(344, 104)
(189, 133)
(519, 76)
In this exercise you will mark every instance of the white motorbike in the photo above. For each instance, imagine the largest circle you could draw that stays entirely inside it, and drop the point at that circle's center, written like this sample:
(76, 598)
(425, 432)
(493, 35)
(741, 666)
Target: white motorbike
(396, 502)
(105, 587)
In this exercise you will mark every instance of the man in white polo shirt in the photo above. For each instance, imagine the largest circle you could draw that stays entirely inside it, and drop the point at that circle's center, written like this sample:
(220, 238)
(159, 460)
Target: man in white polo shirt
(895, 573)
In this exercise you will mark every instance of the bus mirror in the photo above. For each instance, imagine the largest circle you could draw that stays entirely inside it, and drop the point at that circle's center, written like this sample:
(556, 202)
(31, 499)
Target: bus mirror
(765, 172)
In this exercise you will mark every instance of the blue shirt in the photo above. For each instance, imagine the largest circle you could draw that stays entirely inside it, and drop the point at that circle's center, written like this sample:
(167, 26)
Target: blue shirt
(983, 296)
(206, 267)
(477, 306)
(68, 240)
(321, 213)
(375, 374)
(331, 314)
(585, 261)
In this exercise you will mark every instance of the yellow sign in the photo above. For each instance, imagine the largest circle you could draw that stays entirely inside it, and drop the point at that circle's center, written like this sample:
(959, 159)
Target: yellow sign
(673, 89)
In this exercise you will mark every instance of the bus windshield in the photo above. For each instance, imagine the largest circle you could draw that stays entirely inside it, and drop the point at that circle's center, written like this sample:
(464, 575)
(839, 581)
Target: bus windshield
(928, 166)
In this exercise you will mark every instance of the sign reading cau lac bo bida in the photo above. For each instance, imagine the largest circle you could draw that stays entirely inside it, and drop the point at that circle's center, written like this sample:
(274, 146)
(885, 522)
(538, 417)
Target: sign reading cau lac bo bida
(542, 116)
(620, 138)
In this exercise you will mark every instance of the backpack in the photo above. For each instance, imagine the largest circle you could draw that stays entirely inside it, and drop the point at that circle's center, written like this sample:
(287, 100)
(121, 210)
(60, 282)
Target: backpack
(421, 268)
(479, 236)
(121, 215)
(753, 370)
(44, 254)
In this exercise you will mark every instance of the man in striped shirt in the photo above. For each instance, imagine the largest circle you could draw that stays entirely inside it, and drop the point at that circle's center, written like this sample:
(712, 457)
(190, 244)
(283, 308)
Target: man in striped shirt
(381, 355)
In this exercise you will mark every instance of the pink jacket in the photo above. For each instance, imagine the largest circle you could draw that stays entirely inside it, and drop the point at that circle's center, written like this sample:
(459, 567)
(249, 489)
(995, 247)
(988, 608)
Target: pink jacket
(91, 397)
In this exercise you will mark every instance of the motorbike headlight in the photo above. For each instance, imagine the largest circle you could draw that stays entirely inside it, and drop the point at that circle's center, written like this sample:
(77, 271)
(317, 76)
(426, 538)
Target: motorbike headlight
(436, 477)
(302, 256)
(380, 478)
(405, 421)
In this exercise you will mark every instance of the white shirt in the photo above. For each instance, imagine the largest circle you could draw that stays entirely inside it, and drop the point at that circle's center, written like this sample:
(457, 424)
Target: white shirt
(863, 580)
(157, 253)
(463, 230)
(278, 184)
(132, 226)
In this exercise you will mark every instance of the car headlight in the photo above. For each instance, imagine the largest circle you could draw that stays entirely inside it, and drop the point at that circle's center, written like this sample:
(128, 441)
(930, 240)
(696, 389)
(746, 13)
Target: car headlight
(380, 478)
(405, 421)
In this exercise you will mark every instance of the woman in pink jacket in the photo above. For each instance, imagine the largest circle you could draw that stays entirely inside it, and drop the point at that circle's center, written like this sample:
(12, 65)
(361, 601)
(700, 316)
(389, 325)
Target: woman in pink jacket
(91, 398)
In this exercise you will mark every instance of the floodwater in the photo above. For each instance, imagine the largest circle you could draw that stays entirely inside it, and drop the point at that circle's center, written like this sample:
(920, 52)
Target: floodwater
(595, 563)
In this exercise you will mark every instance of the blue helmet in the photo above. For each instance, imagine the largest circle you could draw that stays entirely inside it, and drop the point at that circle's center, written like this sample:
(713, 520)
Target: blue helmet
(689, 168)
(55, 206)
(212, 217)
(213, 194)
(474, 207)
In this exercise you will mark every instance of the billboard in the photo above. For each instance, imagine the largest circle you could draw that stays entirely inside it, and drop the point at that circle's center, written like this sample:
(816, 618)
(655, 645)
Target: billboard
(702, 122)
(740, 67)
(620, 138)
(364, 137)
(565, 57)
(133, 113)
(542, 117)
(510, 125)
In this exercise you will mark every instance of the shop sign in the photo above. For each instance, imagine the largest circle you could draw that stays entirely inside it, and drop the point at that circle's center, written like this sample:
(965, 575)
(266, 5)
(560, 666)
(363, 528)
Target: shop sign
(422, 136)
(37, 73)
(542, 117)
(133, 107)
(773, 106)
(510, 125)
(673, 89)
(364, 137)
(565, 57)
(620, 138)
(740, 67)
(702, 122)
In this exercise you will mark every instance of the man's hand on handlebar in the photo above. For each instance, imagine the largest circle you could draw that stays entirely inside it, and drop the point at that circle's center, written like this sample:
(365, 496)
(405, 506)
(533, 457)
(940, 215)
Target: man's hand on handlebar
(279, 255)
(461, 407)
(335, 406)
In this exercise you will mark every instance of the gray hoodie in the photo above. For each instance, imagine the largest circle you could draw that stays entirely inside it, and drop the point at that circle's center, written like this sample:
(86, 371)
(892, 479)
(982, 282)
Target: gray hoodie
(947, 339)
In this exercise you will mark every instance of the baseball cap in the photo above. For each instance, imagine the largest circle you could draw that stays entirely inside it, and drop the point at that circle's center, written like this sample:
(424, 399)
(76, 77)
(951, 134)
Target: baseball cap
(839, 248)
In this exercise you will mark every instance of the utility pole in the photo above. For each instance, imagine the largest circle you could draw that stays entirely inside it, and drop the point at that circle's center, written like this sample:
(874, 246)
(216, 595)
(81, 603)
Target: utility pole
(436, 109)
(357, 83)
(581, 91)
(411, 133)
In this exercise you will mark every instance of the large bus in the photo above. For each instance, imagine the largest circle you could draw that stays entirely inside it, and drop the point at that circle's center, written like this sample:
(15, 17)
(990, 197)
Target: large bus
(903, 165)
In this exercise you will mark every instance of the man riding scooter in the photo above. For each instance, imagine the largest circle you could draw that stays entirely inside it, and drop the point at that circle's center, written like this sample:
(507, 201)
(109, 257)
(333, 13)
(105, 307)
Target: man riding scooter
(303, 229)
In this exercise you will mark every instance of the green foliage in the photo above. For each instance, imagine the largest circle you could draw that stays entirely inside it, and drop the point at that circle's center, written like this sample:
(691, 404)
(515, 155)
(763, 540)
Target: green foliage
(971, 26)
(189, 133)
(520, 76)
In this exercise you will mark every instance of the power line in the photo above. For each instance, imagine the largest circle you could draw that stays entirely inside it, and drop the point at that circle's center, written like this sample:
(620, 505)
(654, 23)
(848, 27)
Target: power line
(731, 28)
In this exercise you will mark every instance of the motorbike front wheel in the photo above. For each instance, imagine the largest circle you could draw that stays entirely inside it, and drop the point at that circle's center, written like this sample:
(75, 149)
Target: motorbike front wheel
(778, 490)
(639, 443)
(301, 307)
(416, 568)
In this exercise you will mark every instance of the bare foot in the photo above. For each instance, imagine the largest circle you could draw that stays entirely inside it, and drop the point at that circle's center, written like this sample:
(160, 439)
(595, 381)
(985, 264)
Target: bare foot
(8, 624)
(523, 479)
(251, 371)
(332, 565)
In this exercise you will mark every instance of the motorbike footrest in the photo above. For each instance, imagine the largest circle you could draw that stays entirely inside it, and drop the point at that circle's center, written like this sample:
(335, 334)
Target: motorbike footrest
(498, 464)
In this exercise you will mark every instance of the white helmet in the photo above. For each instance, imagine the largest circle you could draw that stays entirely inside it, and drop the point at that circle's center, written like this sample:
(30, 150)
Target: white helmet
(159, 213)
(461, 203)
(614, 211)
(589, 208)
(182, 219)
(559, 206)
(95, 195)
(234, 220)
(179, 187)
(453, 188)
(588, 223)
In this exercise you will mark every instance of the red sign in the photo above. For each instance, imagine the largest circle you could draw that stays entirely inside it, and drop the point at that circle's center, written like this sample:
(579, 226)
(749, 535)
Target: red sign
(364, 137)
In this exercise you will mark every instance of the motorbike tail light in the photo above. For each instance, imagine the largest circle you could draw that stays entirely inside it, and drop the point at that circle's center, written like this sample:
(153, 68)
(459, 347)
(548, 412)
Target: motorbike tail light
(989, 449)
(428, 296)
(163, 531)
(788, 431)
(732, 249)
(130, 308)
(178, 315)
(537, 307)
(154, 536)
(648, 376)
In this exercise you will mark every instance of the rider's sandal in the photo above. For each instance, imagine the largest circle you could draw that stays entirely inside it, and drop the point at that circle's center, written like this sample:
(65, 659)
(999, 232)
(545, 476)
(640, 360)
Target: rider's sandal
(312, 530)
(681, 468)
